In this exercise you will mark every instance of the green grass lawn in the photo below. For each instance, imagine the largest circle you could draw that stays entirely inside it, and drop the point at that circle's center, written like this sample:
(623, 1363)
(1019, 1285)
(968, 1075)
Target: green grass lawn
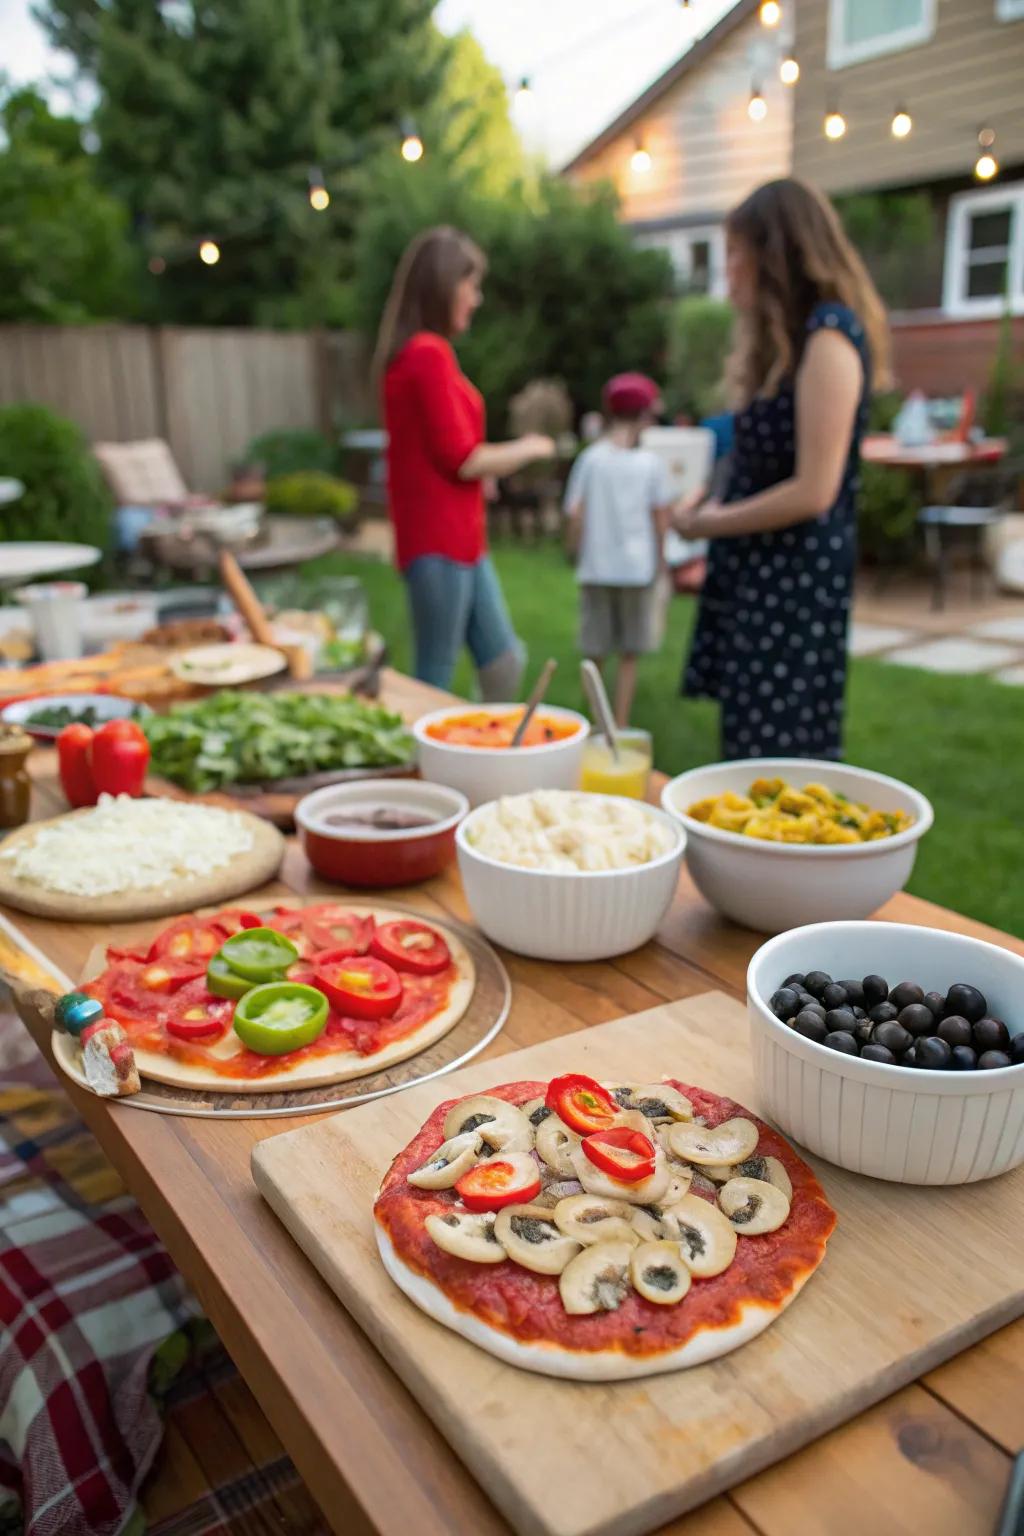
(957, 739)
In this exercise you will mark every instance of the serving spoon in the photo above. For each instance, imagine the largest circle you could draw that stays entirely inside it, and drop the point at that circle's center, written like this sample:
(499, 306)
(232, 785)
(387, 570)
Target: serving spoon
(593, 682)
(537, 693)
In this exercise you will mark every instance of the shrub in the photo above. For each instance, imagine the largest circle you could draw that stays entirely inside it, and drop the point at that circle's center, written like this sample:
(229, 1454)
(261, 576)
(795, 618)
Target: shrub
(886, 513)
(65, 496)
(700, 331)
(308, 493)
(883, 410)
(288, 451)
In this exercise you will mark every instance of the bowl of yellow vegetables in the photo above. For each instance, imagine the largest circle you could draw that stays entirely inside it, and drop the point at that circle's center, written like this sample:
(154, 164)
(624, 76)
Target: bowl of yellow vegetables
(777, 842)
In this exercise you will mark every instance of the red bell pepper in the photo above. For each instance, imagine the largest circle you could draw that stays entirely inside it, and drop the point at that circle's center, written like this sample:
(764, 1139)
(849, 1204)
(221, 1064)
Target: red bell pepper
(120, 757)
(74, 759)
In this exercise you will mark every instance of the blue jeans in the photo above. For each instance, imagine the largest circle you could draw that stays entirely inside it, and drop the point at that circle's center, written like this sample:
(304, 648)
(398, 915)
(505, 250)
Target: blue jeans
(453, 605)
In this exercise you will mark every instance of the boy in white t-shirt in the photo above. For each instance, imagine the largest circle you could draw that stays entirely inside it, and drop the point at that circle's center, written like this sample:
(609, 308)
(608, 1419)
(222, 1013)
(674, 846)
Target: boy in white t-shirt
(618, 501)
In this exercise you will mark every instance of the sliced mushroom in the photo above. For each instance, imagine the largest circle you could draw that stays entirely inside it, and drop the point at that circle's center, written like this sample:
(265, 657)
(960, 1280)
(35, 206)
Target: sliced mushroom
(467, 1235)
(642, 1192)
(753, 1206)
(710, 1146)
(592, 1219)
(451, 1160)
(656, 1102)
(535, 1111)
(652, 1221)
(596, 1280)
(557, 1189)
(680, 1178)
(502, 1127)
(529, 1235)
(658, 1272)
(767, 1168)
(706, 1240)
(554, 1143)
(701, 1184)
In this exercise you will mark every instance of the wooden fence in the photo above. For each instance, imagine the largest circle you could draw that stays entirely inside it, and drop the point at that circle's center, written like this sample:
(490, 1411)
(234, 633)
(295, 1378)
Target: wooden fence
(207, 392)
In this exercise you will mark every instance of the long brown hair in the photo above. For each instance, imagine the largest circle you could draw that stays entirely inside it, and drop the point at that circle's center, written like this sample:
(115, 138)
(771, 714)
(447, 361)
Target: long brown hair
(423, 289)
(803, 256)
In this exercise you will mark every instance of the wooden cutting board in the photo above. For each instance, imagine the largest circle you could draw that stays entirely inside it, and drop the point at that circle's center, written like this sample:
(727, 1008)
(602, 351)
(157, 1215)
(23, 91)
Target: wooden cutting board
(912, 1276)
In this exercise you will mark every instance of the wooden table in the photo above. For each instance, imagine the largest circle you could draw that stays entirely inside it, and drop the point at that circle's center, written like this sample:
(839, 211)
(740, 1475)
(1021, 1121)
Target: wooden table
(932, 1460)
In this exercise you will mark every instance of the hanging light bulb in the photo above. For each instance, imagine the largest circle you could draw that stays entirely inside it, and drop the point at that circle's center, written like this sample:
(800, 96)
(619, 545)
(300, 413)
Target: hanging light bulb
(835, 125)
(640, 159)
(986, 166)
(689, 18)
(523, 95)
(209, 252)
(771, 13)
(319, 197)
(757, 107)
(412, 144)
(902, 123)
(157, 265)
(789, 70)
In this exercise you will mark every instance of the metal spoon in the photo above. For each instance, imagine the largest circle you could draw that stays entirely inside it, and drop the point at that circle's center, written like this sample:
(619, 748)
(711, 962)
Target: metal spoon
(593, 682)
(540, 688)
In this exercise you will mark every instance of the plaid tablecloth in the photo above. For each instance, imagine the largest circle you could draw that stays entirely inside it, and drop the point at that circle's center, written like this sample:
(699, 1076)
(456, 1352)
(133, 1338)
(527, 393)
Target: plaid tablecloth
(87, 1294)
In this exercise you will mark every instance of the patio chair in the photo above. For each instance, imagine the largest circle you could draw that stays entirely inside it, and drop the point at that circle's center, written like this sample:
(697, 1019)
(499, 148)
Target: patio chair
(979, 500)
(145, 481)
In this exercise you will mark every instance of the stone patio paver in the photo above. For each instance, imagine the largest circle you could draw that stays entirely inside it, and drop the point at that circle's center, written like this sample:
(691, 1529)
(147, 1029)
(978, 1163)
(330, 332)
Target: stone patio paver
(1013, 675)
(1010, 628)
(955, 653)
(868, 639)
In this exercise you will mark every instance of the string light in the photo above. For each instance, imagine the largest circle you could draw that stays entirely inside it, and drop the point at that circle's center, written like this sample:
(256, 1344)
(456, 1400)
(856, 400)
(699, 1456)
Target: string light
(209, 252)
(157, 265)
(789, 71)
(835, 125)
(319, 197)
(412, 144)
(757, 107)
(986, 166)
(640, 159)
(902, 123)
(523, 93)
(771, 13)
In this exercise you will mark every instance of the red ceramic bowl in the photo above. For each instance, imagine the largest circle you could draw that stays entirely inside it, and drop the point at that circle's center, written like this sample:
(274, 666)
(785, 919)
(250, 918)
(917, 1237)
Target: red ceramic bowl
(337, 829)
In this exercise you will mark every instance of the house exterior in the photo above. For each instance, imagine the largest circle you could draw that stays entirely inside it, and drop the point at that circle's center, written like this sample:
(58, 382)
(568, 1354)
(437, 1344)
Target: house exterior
(955, 67)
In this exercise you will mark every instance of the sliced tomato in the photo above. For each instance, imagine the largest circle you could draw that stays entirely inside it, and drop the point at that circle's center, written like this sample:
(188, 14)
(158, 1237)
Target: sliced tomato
(193, 1013)
(583, 1104)
(411, 946)
(512, 1178)
(191, 938)
(359, 986)
(168, 975)
(116, 952)
(235, 918)
(621, 1152)
(332, 927)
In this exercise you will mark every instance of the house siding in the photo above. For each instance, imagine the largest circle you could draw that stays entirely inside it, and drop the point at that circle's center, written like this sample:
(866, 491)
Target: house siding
(706, 154)
(944, 357)
(970, 72)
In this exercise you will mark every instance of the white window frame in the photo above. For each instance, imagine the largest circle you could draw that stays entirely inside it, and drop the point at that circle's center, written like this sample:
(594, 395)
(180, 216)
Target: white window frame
(841, 54)
(1010, 10)
(669, 241)
(955, 299)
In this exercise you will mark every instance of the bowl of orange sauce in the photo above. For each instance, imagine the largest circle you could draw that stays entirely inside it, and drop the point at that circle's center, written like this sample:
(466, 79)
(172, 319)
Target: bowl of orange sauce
(469, 748)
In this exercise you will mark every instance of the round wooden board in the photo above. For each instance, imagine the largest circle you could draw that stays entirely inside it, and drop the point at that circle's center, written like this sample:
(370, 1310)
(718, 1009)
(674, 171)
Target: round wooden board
(485, 1016)
(244, 873)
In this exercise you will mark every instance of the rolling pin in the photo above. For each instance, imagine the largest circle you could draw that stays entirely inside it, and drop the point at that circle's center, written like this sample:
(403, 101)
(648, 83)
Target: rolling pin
(240, 589)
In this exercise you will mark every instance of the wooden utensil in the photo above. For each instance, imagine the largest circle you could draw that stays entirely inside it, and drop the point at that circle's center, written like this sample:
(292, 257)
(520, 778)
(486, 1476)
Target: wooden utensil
(540, 688)
(242, 593)
(593, 682)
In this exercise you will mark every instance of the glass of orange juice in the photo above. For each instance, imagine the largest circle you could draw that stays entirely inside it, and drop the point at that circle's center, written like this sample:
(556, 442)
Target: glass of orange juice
(601, 774)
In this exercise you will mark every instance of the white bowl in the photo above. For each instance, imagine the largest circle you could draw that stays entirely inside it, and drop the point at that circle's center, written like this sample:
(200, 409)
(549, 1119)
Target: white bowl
(904, 1124)
(487, 773)
(775, 886)
(570, 914)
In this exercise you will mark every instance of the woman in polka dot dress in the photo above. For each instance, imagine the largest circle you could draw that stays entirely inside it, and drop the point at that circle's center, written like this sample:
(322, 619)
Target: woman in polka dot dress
(811, 336)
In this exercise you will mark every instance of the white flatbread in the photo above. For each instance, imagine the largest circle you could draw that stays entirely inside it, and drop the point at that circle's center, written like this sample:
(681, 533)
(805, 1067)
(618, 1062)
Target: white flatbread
(315, 1071)
(577, 1365)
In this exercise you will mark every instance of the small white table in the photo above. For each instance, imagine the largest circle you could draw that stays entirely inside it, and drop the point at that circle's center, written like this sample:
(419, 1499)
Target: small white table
(28, 560)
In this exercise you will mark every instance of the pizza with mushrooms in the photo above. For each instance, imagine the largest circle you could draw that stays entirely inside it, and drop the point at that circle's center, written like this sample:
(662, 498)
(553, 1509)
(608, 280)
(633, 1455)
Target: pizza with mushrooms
(601, 1231)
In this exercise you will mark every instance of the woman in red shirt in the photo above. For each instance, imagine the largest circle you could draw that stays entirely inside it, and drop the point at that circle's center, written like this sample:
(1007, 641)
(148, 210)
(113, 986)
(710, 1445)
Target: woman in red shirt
(437, 461)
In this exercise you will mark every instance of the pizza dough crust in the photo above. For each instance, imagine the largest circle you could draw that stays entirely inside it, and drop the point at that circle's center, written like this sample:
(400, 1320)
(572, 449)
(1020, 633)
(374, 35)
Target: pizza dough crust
(576, 1365)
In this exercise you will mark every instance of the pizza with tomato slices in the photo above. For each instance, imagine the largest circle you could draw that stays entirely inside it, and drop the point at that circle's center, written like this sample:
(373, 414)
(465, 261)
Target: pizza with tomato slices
(601, 1231)
(247, 1002)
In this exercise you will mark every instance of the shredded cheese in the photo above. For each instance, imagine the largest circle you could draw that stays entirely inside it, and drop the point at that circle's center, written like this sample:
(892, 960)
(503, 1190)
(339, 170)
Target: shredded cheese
(129, 845)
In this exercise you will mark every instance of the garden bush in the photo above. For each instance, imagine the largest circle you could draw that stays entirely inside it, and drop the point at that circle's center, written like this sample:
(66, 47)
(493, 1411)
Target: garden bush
(288, 451)
(309, 493)
(887, 508)
(700, 332)
(65, 496)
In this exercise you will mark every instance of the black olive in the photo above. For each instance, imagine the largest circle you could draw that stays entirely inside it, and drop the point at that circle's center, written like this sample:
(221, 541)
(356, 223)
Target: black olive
(840, 1040)
(811, 1005)
(1017, 1049)
(876, 990)
(893, 1036)
(991, 1035)
(785, 1003)
(964, 1059)
(834, 995)
(937, 1003)
(989, 1060)
(966, 1000)
(810, 1025)
(840, 1018)
(933, 1053)
(854, 992)
(816, 982)
(796, 980)
(905, 993)
(875, 1052)
(883, 1013)
(918, 1019)
(955, 1030)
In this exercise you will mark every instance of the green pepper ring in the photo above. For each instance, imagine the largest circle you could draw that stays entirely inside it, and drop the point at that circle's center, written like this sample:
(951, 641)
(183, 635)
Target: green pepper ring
(258, 954)
(257, 1026)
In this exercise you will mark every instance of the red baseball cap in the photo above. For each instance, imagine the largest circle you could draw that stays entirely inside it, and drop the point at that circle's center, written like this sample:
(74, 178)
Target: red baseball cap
(629, 394)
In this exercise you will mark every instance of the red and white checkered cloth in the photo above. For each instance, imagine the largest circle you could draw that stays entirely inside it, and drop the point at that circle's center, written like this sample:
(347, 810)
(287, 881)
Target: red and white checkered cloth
(87, 1294)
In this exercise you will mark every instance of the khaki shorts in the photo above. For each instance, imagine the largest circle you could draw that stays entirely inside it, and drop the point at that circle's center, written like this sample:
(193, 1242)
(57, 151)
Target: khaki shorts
(617, 621)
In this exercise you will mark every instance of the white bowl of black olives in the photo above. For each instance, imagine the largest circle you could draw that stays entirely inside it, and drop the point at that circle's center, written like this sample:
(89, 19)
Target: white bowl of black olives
(892, 1050)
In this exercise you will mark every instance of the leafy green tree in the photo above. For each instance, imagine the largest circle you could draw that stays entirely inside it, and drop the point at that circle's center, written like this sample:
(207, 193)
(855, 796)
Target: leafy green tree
(65, 252)
(700, 332)
(64, 496)
(469, 126)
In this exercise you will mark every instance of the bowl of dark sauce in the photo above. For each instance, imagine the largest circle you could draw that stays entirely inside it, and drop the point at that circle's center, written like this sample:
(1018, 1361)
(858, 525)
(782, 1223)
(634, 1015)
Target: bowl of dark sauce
(380, 832)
